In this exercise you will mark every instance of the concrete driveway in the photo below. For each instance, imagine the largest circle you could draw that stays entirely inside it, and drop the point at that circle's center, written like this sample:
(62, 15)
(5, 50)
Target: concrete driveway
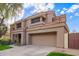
(28, 50)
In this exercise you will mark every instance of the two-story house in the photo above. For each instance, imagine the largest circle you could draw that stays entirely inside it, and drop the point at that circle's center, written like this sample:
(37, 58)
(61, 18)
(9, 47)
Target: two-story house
(44, 28)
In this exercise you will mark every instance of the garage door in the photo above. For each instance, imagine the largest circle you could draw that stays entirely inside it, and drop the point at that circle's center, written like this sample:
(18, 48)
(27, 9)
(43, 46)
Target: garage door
(46, 39)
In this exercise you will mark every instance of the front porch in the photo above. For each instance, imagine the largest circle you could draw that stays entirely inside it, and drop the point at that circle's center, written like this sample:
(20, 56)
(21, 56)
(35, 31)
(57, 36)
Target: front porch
(18, 38)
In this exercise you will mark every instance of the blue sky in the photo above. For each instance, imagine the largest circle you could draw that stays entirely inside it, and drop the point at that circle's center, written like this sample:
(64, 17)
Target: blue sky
(70, 9)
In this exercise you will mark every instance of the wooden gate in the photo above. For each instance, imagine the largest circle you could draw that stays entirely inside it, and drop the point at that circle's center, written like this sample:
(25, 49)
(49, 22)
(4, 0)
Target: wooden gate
(74, 40)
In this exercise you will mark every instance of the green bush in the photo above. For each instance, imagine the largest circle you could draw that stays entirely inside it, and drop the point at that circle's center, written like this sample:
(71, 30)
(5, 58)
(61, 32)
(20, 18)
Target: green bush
(5, 41)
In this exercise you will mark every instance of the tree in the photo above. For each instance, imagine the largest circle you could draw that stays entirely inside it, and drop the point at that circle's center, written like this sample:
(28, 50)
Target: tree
(7, 10)
(3, 29)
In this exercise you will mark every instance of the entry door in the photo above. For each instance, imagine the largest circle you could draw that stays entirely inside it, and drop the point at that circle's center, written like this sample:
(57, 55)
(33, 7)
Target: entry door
(19, 39)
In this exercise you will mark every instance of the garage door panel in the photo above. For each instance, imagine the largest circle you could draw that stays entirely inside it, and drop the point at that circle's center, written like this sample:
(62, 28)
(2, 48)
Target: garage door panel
(47, 39)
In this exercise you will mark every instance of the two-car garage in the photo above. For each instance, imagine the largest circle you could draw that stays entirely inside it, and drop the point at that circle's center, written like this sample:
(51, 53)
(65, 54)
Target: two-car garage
(54, 37)
(44, 39)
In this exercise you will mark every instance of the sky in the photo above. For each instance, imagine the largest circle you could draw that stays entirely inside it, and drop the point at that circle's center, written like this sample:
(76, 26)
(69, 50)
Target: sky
(70, 9)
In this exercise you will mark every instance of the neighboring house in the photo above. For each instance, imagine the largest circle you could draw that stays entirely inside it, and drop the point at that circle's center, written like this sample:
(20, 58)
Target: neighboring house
(44, 28)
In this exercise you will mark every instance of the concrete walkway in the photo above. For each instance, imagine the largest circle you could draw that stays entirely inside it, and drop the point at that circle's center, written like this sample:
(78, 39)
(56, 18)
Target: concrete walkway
(28, 50)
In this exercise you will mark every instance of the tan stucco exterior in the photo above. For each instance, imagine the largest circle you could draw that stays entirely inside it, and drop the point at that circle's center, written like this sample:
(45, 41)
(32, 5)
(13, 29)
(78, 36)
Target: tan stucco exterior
(50, 32)
(66, 40)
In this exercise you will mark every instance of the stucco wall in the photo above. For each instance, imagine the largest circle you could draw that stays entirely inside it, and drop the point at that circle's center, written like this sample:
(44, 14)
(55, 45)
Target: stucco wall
(66, 40)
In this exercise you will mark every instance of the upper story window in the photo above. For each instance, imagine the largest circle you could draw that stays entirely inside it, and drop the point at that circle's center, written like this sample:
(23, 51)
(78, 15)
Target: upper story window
(53, 19)
(18, 25)
(35, 20)
(12, 27)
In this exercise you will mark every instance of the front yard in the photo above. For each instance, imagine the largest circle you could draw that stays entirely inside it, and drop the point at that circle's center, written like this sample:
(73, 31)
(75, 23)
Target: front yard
(4, 47)
(5, 43)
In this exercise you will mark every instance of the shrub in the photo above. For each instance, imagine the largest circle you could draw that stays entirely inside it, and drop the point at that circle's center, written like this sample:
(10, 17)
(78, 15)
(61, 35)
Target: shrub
(5, 41)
